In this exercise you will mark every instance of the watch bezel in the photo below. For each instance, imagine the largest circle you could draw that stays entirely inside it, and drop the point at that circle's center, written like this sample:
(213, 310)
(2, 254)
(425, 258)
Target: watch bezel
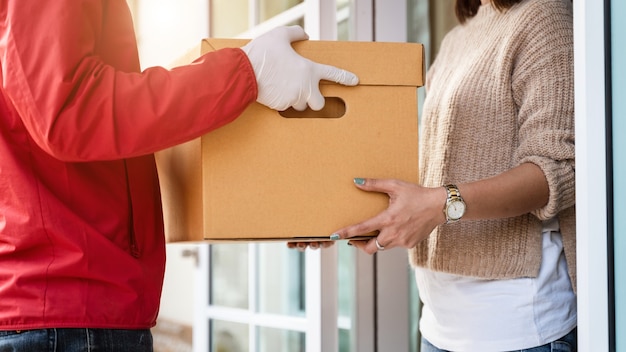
(451, 212)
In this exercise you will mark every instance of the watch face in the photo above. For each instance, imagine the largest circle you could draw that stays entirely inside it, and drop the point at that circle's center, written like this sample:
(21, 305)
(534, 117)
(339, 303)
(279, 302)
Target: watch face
(456, 209)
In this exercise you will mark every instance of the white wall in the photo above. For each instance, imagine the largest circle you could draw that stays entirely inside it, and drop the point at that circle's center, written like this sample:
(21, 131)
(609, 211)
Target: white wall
(177, 300)
(166, 29)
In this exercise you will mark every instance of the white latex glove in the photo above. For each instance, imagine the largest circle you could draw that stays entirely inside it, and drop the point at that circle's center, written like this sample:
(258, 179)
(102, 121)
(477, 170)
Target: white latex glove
(285, 78)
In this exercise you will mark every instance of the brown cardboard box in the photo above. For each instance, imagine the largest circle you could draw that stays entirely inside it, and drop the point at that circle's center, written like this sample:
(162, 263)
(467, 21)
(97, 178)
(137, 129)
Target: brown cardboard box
(289, 176)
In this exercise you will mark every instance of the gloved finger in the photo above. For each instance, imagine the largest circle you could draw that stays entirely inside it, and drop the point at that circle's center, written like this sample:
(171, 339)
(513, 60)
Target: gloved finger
(317, 100)
(295, 33)
(337, 75)
(300, 105)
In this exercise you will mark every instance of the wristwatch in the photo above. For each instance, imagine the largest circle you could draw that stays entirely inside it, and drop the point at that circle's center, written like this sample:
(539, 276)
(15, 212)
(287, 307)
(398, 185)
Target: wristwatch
(455, 205)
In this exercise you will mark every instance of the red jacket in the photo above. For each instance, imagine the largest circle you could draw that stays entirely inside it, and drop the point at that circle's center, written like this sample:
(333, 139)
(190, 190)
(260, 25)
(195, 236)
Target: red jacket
(81, 230)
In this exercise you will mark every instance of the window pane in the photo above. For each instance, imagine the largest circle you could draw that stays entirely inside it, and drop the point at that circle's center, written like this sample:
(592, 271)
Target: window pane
(345, 275)
(228, 337)
(277, 340)
(415, 306)
(343, 20)
(280, 280)
(298, 22)
(271, 8)
(346, 293)
(229, 275)
(344, 340)
(228, 17)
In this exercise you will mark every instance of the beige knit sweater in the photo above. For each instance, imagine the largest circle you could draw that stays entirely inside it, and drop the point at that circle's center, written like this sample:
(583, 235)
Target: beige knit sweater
(499, 94)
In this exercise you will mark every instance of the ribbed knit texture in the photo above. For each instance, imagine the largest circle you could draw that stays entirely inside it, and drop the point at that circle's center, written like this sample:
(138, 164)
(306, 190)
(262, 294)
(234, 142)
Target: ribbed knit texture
(499, 94)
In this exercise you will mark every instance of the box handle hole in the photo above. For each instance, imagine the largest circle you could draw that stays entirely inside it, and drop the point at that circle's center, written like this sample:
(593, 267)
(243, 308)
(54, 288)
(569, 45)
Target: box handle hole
(334, 108)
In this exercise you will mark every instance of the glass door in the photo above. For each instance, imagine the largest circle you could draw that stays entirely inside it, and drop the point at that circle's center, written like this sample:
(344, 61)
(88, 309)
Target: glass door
(263, 296)
(256, 298)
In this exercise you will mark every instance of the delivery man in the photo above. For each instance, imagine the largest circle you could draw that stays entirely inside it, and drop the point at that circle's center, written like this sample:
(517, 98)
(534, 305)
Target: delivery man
(82, 252)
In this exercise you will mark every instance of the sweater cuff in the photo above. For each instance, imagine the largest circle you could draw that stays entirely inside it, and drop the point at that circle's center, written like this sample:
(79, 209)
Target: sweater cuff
(560, 176)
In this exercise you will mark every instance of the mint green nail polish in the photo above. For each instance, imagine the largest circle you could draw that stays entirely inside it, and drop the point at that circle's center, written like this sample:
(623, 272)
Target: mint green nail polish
(359, 181)
(335, 236)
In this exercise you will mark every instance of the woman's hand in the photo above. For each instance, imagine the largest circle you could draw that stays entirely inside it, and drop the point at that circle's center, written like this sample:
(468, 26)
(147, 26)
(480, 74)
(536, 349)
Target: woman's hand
(413, 212)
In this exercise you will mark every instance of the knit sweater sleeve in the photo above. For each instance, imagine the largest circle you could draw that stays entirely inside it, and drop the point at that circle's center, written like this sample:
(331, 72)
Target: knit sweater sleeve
(543, 89)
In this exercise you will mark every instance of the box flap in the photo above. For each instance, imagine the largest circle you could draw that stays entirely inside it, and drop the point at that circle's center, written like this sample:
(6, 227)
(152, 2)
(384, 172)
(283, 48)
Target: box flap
(377, 63)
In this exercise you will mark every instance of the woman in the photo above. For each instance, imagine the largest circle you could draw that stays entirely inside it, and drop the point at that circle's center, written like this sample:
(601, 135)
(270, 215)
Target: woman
(496, 268)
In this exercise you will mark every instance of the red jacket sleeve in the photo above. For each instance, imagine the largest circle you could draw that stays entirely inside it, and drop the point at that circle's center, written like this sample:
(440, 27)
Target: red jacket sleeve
(70, 70)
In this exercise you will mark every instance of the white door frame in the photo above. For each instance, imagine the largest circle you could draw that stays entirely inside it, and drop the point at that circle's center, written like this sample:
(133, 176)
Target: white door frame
(591, 200)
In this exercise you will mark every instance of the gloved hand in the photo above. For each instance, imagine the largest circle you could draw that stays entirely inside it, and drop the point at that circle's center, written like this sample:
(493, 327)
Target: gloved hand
(285, 78)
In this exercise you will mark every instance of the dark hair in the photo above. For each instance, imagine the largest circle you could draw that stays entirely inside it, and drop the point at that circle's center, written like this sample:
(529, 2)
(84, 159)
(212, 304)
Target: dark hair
(466, 9)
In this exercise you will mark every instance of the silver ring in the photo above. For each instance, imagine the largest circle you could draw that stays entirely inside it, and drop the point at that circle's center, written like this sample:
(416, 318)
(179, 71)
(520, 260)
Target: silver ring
(380, 248)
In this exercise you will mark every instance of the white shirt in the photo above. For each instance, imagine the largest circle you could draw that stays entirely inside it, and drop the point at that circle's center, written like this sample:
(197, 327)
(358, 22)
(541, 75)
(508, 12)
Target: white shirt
(471, 314)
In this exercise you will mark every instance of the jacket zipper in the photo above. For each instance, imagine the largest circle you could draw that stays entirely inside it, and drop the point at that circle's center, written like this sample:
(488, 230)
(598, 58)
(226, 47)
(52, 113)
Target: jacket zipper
(132, 239)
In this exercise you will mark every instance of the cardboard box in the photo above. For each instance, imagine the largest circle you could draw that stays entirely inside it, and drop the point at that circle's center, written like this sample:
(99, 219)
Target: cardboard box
(289, 176)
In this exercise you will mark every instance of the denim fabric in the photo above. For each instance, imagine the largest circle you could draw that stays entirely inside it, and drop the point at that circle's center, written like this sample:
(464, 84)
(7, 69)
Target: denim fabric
(76, 340)
(567, 343)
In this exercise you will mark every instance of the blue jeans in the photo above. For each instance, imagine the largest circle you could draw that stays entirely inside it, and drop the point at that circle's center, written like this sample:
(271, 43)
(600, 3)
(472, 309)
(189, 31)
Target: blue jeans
(75, 340)
(567, 343)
